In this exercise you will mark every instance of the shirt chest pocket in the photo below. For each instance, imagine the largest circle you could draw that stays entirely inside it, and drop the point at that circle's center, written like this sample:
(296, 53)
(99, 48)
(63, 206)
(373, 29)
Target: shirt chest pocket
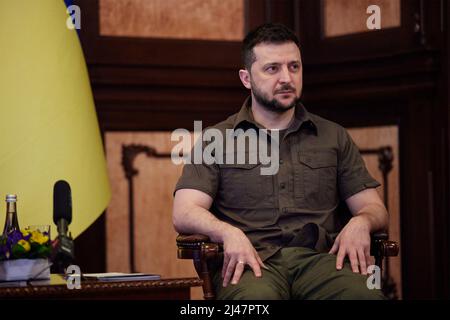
(316, 184)
(243, 186)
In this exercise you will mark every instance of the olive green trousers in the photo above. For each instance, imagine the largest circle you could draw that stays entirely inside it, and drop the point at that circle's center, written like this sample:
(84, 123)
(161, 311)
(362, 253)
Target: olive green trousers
(298, 273)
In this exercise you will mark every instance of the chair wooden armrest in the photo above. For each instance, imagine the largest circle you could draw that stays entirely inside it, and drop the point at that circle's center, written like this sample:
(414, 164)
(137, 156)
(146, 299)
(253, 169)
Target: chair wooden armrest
(201, 250)
(381, 247)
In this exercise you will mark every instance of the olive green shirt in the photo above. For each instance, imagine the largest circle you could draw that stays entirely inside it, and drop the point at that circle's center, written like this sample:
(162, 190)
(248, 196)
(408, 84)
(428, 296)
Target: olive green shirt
(319, 165)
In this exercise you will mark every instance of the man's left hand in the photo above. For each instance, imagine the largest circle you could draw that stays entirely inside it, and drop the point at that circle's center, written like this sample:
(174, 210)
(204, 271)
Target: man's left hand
(353, 241)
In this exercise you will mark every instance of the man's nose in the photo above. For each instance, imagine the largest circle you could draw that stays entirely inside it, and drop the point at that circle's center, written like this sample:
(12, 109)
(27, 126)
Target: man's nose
(285, 75)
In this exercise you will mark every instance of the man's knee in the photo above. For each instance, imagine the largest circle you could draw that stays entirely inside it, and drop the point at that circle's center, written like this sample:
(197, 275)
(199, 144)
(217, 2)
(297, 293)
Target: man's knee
(252, 293)
(361, 293)
(249, 287)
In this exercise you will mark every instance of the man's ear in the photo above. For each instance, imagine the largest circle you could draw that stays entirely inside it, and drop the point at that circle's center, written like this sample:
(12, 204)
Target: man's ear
(244, 75)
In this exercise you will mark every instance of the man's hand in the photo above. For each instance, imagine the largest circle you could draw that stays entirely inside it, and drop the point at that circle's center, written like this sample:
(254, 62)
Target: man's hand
(238, 252)
(354, 241)
(191, 215)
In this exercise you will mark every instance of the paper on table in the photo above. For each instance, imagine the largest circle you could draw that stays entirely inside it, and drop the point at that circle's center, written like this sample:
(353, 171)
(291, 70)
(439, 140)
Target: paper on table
(119, 276)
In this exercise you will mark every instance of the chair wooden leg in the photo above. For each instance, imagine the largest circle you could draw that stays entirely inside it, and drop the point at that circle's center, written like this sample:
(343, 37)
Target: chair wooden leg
(208, 287)
(379, 262)
(201, 266)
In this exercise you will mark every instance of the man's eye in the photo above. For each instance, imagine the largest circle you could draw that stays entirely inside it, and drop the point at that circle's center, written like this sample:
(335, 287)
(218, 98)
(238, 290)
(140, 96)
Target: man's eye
(295, 67)
(272, 69)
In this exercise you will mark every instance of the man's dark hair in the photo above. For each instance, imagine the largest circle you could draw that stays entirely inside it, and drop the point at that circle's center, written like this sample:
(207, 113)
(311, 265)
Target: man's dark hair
(267, 33)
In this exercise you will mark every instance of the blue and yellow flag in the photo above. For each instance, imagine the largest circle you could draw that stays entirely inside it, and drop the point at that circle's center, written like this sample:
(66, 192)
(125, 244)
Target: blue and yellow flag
(48, 127)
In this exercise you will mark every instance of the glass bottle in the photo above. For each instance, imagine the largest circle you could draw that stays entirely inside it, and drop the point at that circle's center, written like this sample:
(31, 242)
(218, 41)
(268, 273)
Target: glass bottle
(11, 221)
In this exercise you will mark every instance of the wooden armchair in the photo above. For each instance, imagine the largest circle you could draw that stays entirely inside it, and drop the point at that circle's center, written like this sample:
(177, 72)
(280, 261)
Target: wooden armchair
(202, 251)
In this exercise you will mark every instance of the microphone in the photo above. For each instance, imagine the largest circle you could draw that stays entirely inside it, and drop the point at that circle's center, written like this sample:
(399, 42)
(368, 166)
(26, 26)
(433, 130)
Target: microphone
(63, 251)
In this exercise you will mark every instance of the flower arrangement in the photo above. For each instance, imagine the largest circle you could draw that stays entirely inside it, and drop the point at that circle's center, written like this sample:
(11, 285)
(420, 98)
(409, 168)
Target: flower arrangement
(25, 244)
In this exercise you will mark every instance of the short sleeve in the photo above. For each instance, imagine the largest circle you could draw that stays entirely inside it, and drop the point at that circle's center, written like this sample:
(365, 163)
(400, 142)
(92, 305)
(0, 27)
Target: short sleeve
(203, 177)
(353, 176)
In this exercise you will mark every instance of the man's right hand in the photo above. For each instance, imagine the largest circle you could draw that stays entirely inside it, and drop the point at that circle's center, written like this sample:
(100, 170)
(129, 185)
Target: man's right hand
(239, 252)
(191, 215)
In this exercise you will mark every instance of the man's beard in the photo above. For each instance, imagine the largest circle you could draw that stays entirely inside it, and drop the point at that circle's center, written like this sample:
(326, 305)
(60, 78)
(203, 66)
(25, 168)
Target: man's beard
(273, 104)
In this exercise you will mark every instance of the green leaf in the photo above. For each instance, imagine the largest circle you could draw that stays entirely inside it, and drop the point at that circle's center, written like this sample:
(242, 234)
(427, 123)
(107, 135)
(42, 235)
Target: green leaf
(43, 251)
(18, 252)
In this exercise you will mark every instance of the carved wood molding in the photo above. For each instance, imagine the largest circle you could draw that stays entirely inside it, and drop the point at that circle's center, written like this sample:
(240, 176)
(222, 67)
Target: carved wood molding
(97, 287)
(385, 159)
(129, 154)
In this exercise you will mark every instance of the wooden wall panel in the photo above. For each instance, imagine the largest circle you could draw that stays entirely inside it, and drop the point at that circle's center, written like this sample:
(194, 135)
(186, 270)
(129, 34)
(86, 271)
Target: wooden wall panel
(344, 17)
(177, 19)
(155, 247)
(376, 137)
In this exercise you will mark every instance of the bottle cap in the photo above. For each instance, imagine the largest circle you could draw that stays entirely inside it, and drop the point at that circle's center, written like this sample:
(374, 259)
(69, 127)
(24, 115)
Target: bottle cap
(11, 198)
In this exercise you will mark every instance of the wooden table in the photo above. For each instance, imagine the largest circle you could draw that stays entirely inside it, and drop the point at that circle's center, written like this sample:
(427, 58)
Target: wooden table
(56, 288)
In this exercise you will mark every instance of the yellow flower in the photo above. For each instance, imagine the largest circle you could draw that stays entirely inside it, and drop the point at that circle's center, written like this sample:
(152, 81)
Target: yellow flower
(25, 244)
(44, 239)
(38, 237)
(25, 232)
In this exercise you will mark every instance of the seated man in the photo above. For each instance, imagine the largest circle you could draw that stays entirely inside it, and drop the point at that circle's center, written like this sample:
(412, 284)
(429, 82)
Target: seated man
(277, 229)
